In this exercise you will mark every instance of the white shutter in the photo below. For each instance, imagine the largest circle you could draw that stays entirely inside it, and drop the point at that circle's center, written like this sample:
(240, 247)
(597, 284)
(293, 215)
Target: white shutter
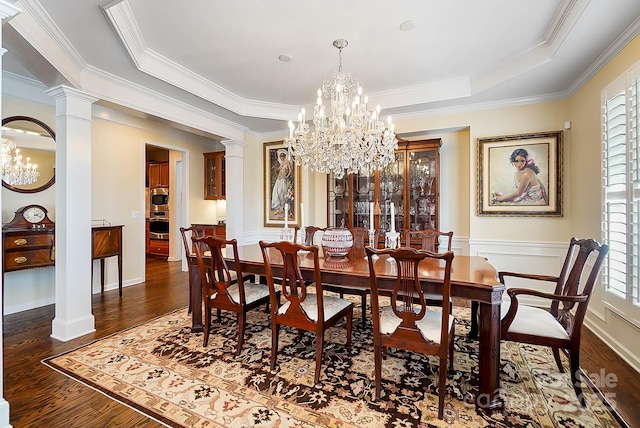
(621, 193)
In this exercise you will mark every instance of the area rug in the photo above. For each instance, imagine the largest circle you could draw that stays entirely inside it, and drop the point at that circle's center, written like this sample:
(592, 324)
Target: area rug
(162, 370)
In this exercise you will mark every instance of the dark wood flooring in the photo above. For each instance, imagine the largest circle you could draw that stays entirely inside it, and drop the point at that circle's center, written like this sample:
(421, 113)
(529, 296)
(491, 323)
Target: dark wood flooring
(41, 397)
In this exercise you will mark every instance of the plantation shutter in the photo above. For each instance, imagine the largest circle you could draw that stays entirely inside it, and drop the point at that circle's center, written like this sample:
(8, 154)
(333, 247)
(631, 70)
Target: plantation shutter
(621, 193)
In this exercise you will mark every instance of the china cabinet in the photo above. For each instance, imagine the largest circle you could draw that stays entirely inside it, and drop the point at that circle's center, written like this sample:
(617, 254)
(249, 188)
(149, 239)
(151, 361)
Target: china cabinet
(214, 175)
(410, 184)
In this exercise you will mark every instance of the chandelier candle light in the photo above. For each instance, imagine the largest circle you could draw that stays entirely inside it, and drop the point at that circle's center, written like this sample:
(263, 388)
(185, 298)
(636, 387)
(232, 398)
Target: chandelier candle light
(347, 139)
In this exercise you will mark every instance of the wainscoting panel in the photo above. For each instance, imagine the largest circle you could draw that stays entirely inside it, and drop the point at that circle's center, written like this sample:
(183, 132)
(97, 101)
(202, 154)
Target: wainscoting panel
(544, 258)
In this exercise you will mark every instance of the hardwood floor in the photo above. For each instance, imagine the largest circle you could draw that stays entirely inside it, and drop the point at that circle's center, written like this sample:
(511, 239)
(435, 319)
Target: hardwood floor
(41, 397)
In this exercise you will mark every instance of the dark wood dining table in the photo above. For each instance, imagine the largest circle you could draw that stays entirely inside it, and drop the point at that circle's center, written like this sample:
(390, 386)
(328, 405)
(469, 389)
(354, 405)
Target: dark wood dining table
(472, 278)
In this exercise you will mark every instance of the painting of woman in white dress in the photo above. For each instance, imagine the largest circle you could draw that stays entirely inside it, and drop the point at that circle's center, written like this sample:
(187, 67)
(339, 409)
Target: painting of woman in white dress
(529, 189)
(520, 175)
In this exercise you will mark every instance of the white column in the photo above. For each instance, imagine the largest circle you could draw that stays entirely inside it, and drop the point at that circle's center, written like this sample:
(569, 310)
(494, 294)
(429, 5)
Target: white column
(6, 11)
(234, 163)
(73, 315)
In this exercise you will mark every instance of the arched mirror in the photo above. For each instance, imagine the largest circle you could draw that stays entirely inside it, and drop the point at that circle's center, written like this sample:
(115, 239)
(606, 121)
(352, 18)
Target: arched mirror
(36, 141)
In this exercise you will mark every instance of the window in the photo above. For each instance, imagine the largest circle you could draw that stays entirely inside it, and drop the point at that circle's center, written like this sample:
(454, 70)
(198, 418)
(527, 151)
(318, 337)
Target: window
(621, 193)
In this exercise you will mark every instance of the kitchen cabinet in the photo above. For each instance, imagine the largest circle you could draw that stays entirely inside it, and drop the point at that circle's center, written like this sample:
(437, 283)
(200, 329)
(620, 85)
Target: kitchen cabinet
(411, 183)
(214, 176)
(159, 247)
(158, 174)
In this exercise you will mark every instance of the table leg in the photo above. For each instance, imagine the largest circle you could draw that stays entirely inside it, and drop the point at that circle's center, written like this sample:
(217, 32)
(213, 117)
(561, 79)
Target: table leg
(488, 398)
(120, 273)
(196, 298)
(102, 275)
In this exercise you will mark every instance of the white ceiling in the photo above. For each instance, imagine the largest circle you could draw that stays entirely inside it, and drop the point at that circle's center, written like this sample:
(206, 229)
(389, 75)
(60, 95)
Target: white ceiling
(223, 56)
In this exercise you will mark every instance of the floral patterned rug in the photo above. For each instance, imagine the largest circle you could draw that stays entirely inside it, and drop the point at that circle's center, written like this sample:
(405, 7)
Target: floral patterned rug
(161, 369)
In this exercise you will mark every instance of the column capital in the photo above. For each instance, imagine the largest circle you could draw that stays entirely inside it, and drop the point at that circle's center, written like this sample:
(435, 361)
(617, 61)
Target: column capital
(234, 148)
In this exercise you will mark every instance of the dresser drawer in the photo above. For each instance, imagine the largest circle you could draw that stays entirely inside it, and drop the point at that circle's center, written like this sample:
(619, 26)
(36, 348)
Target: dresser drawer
(16, 260)
(27, 241)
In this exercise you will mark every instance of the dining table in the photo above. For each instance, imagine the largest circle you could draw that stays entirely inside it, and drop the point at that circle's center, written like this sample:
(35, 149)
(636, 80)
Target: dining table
(472, 278)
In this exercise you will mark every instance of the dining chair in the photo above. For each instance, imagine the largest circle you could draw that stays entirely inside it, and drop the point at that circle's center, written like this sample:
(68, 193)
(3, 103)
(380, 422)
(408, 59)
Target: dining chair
(198, 232)
(302, 310)
(430, 239)
(220, 291)
(560, 324)
(360, 236)
(407, 322)
(309, 234)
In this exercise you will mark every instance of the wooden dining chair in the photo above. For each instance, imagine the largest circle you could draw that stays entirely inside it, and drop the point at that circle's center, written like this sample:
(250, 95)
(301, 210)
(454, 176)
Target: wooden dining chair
(220, 291)
(360, 239)
(310, 233)
(430, 239)
(187, 233)
(560, 324)
(301, 309)
(407, 322)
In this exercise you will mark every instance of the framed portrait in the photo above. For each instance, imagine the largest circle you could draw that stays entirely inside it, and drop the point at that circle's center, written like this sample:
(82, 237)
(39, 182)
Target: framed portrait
(520, 175)
(281, 187)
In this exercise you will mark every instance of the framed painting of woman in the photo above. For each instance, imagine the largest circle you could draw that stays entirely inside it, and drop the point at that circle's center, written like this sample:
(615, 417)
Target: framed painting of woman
(520, 175)
(281, 187)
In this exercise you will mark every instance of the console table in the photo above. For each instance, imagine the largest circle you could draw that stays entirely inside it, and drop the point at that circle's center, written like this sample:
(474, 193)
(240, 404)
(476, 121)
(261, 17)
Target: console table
(106, 241)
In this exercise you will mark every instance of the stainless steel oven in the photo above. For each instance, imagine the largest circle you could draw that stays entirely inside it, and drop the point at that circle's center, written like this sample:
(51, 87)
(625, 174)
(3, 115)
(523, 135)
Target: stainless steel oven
(159, 228)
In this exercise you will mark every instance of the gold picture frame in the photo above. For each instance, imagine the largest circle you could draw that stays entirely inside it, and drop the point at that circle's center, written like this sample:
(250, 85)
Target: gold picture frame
(520, 175)
(281, 186)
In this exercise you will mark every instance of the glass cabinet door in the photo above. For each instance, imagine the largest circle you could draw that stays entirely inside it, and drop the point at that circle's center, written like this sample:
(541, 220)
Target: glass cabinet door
(392, 191)
(338, 201)
(422, 190)
(363, 186)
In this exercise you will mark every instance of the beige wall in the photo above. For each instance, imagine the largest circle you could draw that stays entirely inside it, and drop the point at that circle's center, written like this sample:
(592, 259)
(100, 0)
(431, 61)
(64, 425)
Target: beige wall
(584, 174)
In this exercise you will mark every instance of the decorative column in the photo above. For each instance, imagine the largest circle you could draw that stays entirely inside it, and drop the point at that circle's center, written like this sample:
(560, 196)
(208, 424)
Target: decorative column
(73, 315)
(234, 180)
(6, 11)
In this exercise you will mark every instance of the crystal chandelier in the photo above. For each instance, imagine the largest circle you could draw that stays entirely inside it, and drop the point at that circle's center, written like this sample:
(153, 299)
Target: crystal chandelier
(347, 138)
(12, 169)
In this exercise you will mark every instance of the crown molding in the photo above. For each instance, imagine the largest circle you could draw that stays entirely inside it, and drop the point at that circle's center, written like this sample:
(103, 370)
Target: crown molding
(154, 64)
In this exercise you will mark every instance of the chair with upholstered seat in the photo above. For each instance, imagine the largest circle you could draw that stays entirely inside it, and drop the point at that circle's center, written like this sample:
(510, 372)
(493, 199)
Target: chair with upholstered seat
(407, 322)
(559, 326)
(309, 234)
(187, 233)
(360, 239)
(302, 310)
(429, 239)
(220, 291)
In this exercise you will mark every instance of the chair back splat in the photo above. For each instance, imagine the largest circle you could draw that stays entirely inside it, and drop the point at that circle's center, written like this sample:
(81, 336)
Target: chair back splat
(407, 322)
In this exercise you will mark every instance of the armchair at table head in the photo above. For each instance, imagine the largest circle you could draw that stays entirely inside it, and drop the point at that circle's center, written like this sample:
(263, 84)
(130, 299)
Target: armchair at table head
(187, 233)
(560, 325)
(407, 322)
(220, 290)
(301, 309)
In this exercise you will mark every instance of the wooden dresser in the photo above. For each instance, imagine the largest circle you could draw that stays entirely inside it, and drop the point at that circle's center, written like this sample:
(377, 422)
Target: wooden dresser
(28, 241)
(106, 241)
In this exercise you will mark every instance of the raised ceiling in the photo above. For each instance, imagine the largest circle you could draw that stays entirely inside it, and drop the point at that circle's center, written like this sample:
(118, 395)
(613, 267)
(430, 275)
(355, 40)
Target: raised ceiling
(223, 57)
